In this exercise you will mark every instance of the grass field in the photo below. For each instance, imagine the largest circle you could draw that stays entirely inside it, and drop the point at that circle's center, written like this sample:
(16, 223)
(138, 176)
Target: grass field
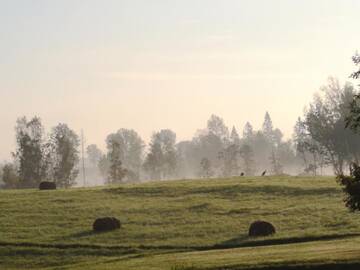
(178, 225)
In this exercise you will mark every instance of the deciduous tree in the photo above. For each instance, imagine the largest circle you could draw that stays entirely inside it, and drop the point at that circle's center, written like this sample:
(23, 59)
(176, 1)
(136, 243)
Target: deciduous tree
(64, 144)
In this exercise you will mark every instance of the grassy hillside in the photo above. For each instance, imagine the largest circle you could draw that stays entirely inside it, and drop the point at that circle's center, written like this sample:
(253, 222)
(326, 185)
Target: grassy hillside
(198, 224)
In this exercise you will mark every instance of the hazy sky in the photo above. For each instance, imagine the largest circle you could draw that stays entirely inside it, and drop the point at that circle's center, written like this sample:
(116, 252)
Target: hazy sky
(104, 65)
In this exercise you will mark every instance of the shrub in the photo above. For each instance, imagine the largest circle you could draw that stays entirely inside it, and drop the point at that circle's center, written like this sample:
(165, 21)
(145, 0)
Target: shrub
(351, 187)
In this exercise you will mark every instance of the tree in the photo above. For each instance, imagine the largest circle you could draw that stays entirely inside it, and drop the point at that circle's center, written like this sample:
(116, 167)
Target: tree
(234, 137)
(351, 184)
(351, 187)
(104, 166)
(300, 137)
(353, 118)
(208, 145)
(10, 178)
(206, 169)
(356, 60)
(247, 155)
(94, 154)
(261, 148)
(131, 151)
(187, 162)
(64, 144)
(116, 171)
(161, 161)
(216, 126)
(267, 127)
(274, 138)
(325, 122)
(276, 167)
(248, 131)
(29, 153)
(230, 160)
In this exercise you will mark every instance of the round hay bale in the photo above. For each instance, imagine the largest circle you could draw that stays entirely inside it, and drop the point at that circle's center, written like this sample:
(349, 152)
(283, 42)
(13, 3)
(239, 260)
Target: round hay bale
(106, 224)
(261, 228)
(47, 185)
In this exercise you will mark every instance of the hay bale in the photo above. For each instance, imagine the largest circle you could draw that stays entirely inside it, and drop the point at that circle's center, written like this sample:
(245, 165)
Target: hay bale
(106, 224)
(47, 185)
(261, 228)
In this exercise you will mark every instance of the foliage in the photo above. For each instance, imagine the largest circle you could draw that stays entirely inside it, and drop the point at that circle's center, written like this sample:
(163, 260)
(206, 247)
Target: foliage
(9, 176)
(116, 171)
(273, 137)
(310, 151)
(247, 155)
(216, 126)
(234, 137)
(94, 154)
(356, 60)
(248, 131)
(208, 145)
(104, 166)
(206, 170)
(29, 153)
(161, 161)
(351, 187)
(64, 144)
(325, 123)
(267, 127)
(276, 167)
(230, 158)
(131, 148)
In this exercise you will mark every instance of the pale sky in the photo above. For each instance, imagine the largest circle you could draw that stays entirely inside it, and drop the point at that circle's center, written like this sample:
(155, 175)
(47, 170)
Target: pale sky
(102, 65)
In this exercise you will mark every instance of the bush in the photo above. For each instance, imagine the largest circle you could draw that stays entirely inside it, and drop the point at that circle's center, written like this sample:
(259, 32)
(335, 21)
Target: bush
(351, 187)
(47, 185)
(261, 228)
(106, 224)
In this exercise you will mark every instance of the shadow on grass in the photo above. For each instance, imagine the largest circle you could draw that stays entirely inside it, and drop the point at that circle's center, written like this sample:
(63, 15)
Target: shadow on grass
(241, 241)
(45, 252)
(225, 191)
(246, 241)
(326, 266)
(81, 234)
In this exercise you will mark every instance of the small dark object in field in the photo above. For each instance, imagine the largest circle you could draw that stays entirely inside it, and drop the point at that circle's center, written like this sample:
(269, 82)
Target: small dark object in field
(47, 185)
(261, 228)
(242, 174)
(106, 224)
(263, 174)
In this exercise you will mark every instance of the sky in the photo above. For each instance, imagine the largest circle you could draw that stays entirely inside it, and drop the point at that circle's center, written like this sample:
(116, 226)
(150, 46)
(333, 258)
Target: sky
(102, 65)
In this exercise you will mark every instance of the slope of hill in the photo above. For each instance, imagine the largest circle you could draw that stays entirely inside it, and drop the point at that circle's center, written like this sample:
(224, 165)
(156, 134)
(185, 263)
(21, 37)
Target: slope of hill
(188, 224)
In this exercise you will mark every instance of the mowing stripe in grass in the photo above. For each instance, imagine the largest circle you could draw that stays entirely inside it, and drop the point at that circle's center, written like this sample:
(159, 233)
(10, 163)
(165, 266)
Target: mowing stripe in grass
(266, 242)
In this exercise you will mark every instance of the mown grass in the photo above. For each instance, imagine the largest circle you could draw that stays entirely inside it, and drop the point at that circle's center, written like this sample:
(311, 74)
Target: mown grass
(188, 224)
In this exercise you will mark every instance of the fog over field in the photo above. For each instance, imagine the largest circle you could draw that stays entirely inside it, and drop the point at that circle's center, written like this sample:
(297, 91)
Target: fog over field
(179, 134)
(196, 77)
(149, 66)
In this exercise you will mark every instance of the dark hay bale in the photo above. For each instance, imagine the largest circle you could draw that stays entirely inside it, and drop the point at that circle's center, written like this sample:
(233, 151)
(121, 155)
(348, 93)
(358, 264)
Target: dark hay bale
(106, 224)
(47, 185)
(261, 228)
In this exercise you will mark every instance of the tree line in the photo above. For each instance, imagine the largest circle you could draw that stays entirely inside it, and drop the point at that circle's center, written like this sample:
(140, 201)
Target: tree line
(320, 142)
(37, 157)
(214, 151)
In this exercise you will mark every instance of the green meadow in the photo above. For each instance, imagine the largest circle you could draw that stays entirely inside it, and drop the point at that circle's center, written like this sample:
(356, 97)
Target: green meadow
(185, 224)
